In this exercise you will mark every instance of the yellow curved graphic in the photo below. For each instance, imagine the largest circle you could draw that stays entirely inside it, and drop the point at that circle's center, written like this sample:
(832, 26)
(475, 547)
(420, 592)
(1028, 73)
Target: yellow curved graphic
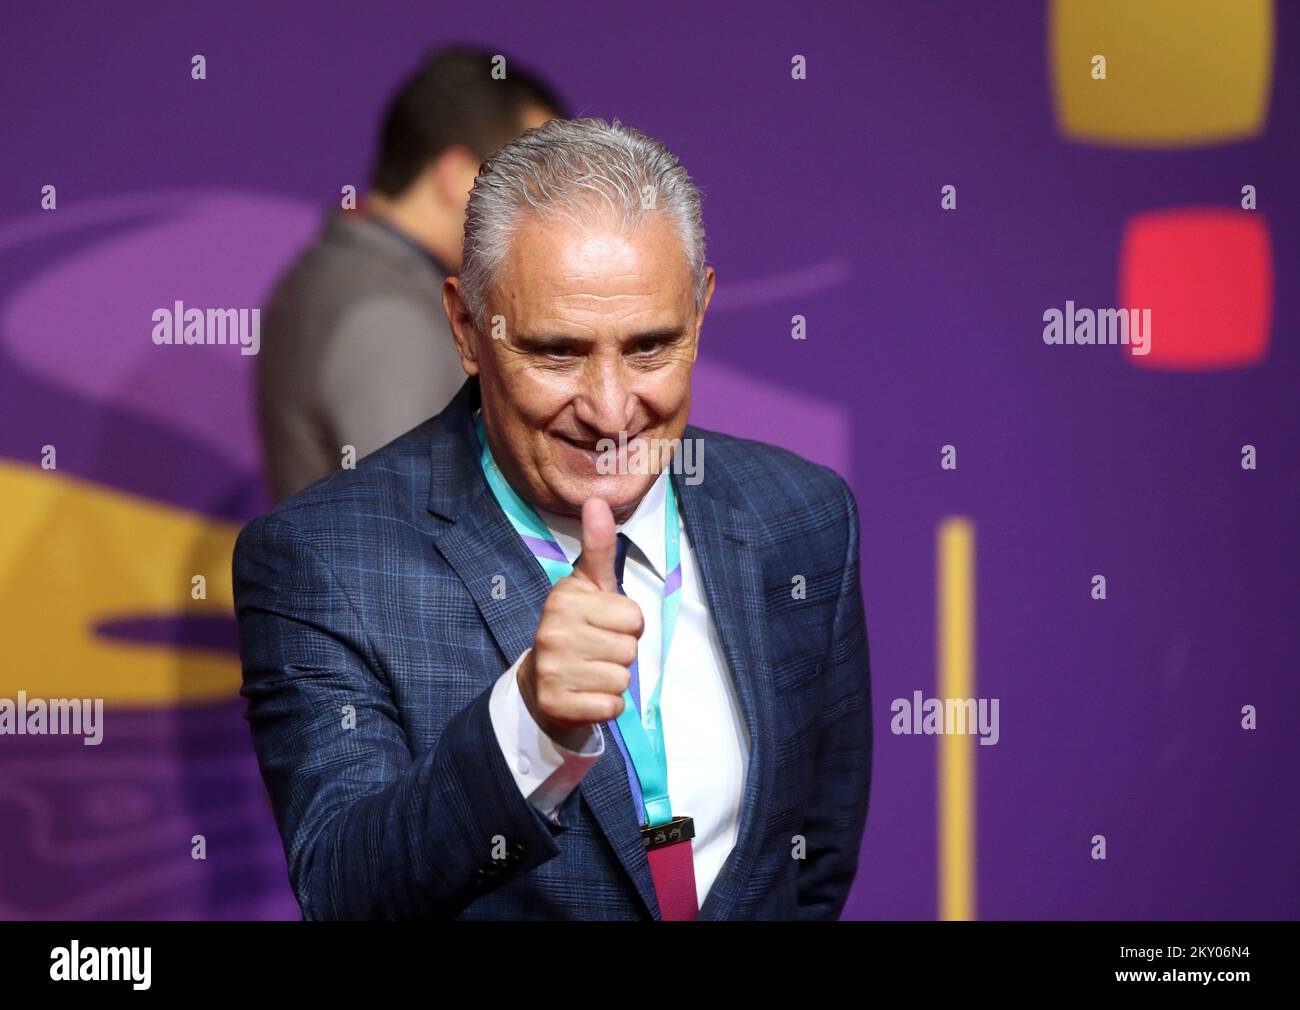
(74, 553)
(1161, 73)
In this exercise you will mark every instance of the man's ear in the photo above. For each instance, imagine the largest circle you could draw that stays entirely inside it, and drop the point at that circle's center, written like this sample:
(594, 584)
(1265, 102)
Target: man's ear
(710, 280)
(462, 324)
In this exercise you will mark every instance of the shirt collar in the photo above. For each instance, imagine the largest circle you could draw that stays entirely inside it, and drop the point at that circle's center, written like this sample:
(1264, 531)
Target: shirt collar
(644, 527)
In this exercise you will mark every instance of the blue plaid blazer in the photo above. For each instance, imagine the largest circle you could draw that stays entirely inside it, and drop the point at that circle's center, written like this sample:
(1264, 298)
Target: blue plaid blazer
(370, 638)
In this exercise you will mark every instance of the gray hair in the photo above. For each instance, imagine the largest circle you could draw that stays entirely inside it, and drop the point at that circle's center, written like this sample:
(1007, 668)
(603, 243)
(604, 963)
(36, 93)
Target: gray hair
(584, 170)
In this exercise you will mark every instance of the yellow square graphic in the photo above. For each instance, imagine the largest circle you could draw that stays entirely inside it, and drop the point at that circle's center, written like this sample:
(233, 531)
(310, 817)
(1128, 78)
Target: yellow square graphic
(1179, 73)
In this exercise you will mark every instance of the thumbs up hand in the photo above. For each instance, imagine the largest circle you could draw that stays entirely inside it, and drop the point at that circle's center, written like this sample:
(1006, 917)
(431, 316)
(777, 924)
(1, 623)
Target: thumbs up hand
(599, 546)
(586, 641)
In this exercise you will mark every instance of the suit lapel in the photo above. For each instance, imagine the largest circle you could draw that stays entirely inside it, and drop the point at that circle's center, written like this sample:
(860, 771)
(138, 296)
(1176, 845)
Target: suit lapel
(483, 534)
(478, 541)
(607, 793)
(724, 539)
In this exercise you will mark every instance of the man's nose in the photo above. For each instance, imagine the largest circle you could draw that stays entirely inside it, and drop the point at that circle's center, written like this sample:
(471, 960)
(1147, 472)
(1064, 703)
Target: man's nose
(606, 402)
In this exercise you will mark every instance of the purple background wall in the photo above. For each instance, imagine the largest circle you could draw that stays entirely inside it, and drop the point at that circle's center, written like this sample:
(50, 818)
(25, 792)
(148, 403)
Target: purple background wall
(924, 328)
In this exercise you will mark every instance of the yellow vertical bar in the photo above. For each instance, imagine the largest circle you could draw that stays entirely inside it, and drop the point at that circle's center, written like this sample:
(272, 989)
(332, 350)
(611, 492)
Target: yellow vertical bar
(955, 553)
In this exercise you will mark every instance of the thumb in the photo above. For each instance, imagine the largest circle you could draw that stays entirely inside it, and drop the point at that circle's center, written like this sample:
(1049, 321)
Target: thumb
(598, 545)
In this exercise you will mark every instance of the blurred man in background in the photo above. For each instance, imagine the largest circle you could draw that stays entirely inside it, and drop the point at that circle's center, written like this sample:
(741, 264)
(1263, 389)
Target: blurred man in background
(356, 348)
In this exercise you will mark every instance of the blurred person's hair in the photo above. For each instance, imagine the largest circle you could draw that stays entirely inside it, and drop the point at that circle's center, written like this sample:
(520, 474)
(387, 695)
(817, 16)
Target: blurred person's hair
(586, 170)
(452, 99)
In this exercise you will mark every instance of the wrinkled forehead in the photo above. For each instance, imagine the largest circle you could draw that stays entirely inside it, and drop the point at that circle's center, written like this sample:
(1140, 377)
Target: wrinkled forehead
(596, 262)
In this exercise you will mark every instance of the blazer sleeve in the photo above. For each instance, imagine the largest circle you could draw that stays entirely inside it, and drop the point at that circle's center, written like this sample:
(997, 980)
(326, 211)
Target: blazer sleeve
(836, 814)
(370, 829)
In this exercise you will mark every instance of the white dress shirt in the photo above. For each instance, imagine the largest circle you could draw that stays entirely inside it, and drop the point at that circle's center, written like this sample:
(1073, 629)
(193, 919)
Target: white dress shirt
(705, 735)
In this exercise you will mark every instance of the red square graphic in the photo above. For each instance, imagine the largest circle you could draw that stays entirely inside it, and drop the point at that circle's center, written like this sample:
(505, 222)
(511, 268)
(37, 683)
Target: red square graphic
(1206, 274)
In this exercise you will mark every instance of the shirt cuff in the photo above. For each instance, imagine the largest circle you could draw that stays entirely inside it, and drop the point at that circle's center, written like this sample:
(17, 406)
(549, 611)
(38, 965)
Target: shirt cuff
(545, 772)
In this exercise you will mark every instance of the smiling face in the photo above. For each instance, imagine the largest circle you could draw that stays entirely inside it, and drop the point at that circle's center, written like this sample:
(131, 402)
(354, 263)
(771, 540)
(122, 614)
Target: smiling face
(600, 336)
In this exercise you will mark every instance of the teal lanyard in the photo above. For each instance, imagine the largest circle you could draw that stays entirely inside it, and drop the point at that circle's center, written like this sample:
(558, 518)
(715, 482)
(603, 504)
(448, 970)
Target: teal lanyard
(642, 732)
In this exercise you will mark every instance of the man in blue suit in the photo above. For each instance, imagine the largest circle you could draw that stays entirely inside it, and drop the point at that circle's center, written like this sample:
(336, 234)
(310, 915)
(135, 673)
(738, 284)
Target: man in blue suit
(555, 653)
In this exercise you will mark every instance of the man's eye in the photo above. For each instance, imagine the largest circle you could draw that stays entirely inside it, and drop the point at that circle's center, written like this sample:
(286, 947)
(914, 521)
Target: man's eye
(648, 347)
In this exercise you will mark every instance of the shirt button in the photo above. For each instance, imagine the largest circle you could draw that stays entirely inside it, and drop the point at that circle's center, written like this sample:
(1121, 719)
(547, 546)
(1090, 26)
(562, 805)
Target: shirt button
(524, 766)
